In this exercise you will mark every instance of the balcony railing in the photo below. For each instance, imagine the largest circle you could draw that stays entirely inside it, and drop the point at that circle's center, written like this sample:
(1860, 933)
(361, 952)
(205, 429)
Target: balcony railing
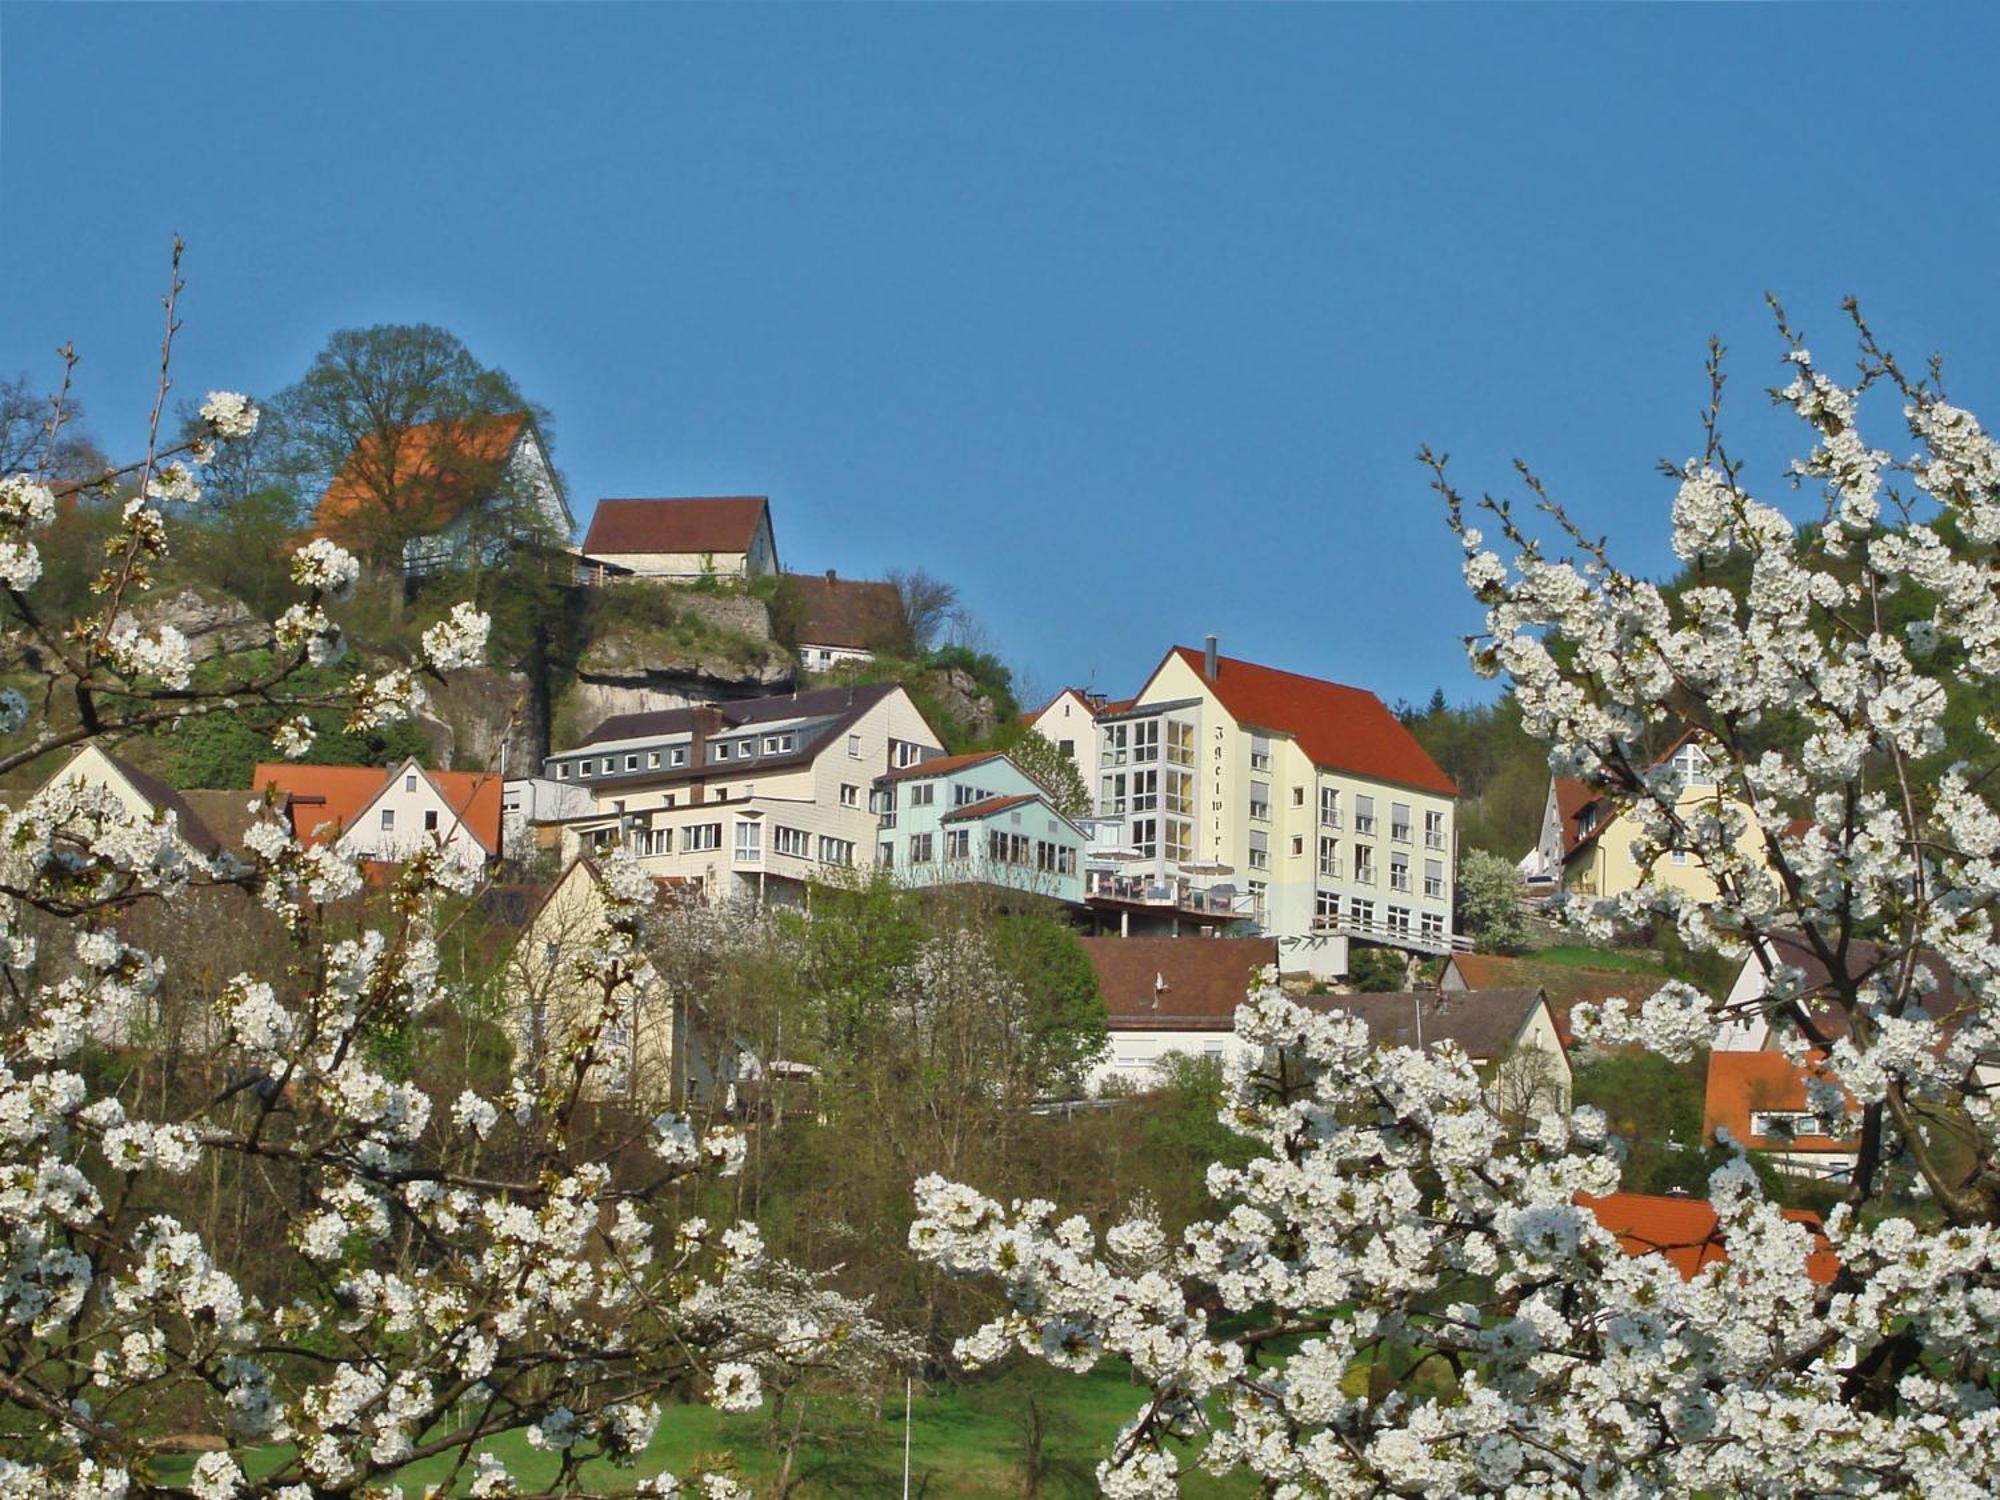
(1400, 935)
(1364, 825)
(1175, 895)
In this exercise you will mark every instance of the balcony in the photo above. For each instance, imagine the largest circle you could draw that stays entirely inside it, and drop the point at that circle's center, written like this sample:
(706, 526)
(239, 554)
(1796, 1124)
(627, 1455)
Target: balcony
(1176, 894)
(1400, 936)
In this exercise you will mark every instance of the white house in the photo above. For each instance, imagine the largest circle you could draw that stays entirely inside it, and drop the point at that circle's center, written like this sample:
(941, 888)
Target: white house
(756, 798)
(708, 536)
(386, 815)
(1166, 996)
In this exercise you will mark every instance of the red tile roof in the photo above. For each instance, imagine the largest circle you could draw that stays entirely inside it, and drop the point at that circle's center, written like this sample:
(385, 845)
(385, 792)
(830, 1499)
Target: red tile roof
(332, 797)
(988, 807)
(942, 765)
(1176, 984)
(1340, 728)
(1742, 1082)
(701, 523)
(1572, 797)
(437, 470)
(1687, 1232)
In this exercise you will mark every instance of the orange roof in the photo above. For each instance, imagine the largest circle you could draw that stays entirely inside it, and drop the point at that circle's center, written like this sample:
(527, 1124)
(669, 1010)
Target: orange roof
(988, 807)
(942, 765)
(700, 523)
(436, 470)
(332, 797)
(1742, 1082)
(1572, 797)
(1340, 728)
(1687, 1232)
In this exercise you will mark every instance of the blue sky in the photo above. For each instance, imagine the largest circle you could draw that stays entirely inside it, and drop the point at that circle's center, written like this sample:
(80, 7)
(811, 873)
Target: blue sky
(1126, 321)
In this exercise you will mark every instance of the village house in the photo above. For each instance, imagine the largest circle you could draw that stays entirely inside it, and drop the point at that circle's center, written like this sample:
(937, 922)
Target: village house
(144, 796)
(1586, 839)
(1760, 1100)
(845, 619)
(1165, 996)
(1564, 986)
(684, 540)
(1297, 807)
(1509, 1035)
(976, 819)
(1069, 722)
(385, 815)
(447, 494)
(648, 1052)
(754, 798)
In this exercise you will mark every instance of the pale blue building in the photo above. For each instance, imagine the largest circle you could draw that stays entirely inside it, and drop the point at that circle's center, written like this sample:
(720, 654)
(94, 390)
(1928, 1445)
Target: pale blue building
(976, 819)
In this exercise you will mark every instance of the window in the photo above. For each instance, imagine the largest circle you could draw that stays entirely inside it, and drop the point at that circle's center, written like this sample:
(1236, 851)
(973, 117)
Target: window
(1145, 791)
(850, 794)
(583, 768)
(1298, 845)
(1116, 738)
(1326, 907)
(1399, 822)
(1258, 889)
(718, 751)
(1260, 752)
(409, 783)
(1260, 800)
(1045, 856)
(388, 819)
(1068, 747)
(1691, 761)
(1399, 921)
(652, 760)
(1431, 925)
(1364, 815)
(836, 851)
(1361, 914)
(1680, 856)
(746, 749)
(1180, 792)
(923, 794)
(1146, 836)
(1298, 796)
(885, 855)
(1180, 839)
(678, 756)
(562, 771)
(1006, 848)
(1146, 740)
(1329, 858)
(854, 747)
(632, 762)
(700, 836)
(1329, 807)
(777, 744)
(920, 848)
(1784, 1123)
(1433, 830)
(431, 821)
(653, 841)
(1066, 861)
(793, 841)
(958, 843)
(1180, 743)
(1111, 804)
(1364, 865)
(903, 753)
(1399, 872)
(1434, 879)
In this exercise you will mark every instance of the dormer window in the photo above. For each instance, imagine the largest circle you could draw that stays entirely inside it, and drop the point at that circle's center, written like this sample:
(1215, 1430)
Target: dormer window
(1693, 764)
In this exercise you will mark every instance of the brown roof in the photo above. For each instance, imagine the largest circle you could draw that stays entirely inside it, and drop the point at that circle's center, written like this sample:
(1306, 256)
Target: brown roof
(438, 470)
(1563, 985)
(701, 523)
(1483, 1022)
(1688, 1233)
(227, 815)
(1572, 797)
(941, 765)
(989, 806)
(858, 613)
(1946, 1004)
(1205, 979)
(1340, 728)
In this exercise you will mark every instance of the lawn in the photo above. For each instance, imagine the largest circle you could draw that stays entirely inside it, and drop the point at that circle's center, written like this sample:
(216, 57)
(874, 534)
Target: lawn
(965, 1441)
(1576, 956)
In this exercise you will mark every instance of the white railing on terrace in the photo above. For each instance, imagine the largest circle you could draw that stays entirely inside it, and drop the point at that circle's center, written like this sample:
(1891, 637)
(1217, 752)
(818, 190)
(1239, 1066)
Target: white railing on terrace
(1401, 936)
(1179, 895)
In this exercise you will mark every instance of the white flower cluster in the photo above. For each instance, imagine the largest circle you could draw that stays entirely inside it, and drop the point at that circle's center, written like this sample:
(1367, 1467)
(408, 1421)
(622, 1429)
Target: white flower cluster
(458, 640)
(326, 568)
(229, 416)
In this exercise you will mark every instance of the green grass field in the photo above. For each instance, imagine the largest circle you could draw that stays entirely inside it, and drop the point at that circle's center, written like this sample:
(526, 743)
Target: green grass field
(965, 1441)
(1575, 956)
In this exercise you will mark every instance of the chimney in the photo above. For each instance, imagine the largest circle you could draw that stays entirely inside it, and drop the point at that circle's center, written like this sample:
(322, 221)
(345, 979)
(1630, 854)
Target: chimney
(1208, 659)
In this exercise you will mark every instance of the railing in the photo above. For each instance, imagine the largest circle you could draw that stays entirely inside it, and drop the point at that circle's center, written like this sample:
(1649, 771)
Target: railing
(1140, 890)
(1364, 825)
(1399, 935)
